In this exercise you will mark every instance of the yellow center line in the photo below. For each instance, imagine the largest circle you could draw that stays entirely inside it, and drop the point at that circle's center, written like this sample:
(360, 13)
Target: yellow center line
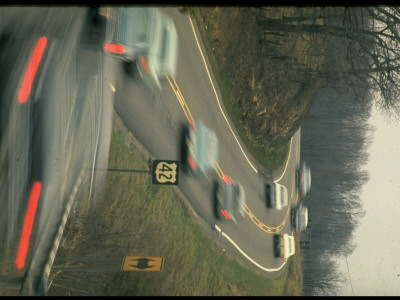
(180, 98)
(218, 169)
(266, 228)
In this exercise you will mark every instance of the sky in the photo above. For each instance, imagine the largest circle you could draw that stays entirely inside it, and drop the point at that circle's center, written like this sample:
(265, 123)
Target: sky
(374, 266)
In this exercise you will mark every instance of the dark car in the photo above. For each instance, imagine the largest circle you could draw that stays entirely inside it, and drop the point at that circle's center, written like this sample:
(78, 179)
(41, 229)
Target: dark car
(230, 200)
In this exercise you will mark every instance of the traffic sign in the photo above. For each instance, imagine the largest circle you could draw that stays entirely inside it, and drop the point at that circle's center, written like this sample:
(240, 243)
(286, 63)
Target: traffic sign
(140, 263)
(165, 172)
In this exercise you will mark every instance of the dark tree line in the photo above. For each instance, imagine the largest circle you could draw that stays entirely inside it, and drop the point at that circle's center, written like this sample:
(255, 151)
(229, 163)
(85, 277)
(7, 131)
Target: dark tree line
(334, 141)
(369, 39)
(360, 66)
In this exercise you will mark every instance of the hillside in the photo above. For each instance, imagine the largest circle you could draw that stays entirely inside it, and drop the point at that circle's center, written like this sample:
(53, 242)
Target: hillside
(267, 78)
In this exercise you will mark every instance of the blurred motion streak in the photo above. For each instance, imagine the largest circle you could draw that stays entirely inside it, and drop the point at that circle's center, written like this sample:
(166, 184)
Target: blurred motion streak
(28, 222)
(31, 70)
(114, 48)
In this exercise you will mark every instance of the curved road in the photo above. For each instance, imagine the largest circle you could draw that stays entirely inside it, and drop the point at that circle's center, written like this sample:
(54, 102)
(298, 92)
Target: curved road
(156, 119)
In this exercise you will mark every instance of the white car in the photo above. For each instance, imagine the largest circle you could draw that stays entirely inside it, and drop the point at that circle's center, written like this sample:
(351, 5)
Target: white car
(299, 217)
(276, 195)
(284, 245)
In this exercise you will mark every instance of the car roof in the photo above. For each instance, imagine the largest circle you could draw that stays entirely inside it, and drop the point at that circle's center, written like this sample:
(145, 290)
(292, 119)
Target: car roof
(132, 26)
(206, 147)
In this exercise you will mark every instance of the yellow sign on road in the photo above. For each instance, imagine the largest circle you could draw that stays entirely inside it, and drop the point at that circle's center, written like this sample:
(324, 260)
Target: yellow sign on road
(140, 263)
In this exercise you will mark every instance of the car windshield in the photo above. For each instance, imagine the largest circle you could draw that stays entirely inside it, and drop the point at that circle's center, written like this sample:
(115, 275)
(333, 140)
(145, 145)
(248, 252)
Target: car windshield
(303, 217)
(282, 192)
(236, 198)
(233, 196)
(165, 38)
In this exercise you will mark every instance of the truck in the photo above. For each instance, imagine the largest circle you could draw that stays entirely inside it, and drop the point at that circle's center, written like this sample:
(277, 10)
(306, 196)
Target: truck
(284, 245)
(276, 195)
(145, 39)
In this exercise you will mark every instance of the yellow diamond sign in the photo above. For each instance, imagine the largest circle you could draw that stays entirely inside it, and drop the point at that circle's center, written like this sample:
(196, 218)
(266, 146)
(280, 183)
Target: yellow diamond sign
(140, 263)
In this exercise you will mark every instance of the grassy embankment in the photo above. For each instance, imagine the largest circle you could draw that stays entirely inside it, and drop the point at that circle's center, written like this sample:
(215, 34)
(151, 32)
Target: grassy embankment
(147, 220)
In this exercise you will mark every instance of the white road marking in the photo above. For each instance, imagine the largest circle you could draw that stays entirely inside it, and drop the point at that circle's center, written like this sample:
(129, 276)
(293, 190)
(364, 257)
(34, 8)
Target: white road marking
(216, 95)
(287, 161)
(245, 255)
(112, 87)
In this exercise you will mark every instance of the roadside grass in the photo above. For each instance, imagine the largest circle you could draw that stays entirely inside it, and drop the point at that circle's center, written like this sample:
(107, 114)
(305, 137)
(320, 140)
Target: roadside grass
(142, 219)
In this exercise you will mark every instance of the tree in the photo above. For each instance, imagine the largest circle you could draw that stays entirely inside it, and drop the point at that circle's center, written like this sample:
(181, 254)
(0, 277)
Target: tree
(370, 41)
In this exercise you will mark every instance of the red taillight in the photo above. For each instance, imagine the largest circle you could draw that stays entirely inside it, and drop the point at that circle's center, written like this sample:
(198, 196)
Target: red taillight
(28, 223)
(227, 180)
(302, 176)
(31, 70)
(281, 235)
(145, 65)
(283, 256)
(226, 214)
(114, 48)
(191, 161)
(193, 125)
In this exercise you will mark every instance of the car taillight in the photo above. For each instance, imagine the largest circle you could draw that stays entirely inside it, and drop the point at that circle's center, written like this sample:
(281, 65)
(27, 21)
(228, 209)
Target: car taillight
(227, 180)
(192, 162)
(31, 69)
(283, 256)
(193, 125)
(28, 224)
(145, 65)
(114, 48)
(226, 214)
(281, 235)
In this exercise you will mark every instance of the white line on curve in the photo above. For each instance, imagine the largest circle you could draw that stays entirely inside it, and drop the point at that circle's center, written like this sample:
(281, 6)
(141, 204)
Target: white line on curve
(216, 95)
(287, 161)
(244, 254)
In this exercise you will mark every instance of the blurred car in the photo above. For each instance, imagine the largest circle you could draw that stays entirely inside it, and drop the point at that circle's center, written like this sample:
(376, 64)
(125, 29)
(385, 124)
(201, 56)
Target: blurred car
(276, 195)
(144, 37)
(200, 149)
(303, 179)
(299, 217)
(25, 60)
(284, 245)
(230, 200)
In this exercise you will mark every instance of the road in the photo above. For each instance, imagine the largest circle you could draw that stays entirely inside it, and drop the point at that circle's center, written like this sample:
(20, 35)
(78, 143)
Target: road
(50, 139)
(156, 120)
(71, 125)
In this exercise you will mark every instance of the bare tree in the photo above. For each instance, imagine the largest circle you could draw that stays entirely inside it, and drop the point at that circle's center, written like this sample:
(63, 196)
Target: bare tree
(370, 41)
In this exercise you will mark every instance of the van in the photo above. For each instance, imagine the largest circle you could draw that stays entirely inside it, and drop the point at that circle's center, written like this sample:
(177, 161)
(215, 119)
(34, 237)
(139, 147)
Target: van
(144, 38)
